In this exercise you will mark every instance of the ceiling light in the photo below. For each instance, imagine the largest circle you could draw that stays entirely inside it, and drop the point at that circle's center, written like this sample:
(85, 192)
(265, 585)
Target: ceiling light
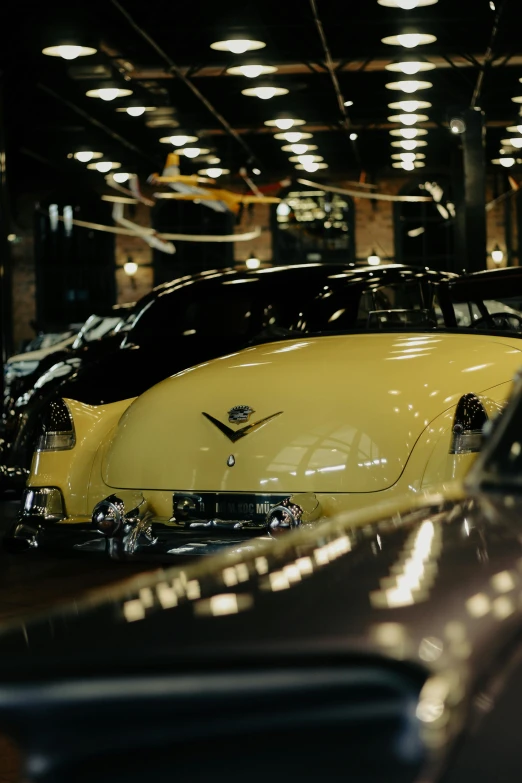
(507, 162)
(374, 259)
(410, 67)
(409, 40)
(213, 172)
(304, 159)
(497, 255)
(284, 123)
(457, 125)
(408, 133)
(409, 144)
(514, 129)
(409, 165)
(256, 171)
(408, 119)
(293, 137)
(253, 263)
(68, 51)
(251, 71)
(409, 106)
(311, 166)
(408, 156)
(265, 93)
(135, 111)
(103, 166)
(84, 156)
(108, 93)
(409, 85)
(299, 149)
(516, 142)
(348, 103)
(193, 152)
(130, 268)
(353, 136)
(517, 99)
(283, 209)
(406, 5)
(237, 45)
(122, 176)
(178, 140)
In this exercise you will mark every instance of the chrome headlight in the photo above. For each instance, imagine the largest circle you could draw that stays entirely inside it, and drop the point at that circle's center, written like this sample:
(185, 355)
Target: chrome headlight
(468, 425)
(57, 429)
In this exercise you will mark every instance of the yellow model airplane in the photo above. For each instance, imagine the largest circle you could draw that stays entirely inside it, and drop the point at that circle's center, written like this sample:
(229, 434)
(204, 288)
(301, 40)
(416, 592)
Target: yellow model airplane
(188, 188)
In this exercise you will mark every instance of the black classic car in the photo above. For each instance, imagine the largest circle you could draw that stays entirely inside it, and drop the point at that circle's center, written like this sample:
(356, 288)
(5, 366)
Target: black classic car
(381, 646)
(183, 323)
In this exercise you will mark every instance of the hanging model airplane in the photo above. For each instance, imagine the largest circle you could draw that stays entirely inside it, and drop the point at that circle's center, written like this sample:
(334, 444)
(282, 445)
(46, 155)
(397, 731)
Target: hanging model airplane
(192, 188)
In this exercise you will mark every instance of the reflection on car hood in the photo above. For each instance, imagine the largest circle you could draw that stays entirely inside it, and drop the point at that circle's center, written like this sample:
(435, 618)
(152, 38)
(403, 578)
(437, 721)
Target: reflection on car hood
(351, 408)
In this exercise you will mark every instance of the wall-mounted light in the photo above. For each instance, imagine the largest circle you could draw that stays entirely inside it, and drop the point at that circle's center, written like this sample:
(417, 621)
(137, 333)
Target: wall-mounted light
(68, 51)
(237, 45)
(457, 125)
(497, 255)
(374, 259)
(130, 268)
(265, 93)
(253, 263)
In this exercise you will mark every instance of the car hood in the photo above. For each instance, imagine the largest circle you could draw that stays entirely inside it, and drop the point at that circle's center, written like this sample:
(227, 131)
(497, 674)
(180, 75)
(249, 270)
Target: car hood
(336, 414)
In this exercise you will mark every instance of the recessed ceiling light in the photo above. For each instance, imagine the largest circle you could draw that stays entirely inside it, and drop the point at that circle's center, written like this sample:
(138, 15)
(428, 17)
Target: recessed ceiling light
(265, 93)
(103, 166)
(237, 45)
(409, 144)
(292, 137)
(213, 172)
(285, 123)
(409, 40)
(251, 71)
(84, 156)
(108, 93)
(406, 5)
(299, 149)
(409, 106)
(193, 152)
(409, 85)
(410, 67)
(408, 119)
(178, 140)
(408, 133)
(68, 51)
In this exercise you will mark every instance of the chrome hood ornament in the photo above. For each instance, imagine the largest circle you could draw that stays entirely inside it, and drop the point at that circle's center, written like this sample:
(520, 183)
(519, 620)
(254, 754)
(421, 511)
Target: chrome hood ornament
(235, 435)
(240, 413)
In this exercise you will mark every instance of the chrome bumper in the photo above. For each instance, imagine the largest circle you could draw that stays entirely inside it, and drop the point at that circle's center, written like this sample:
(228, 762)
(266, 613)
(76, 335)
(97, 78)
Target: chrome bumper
(123, 528)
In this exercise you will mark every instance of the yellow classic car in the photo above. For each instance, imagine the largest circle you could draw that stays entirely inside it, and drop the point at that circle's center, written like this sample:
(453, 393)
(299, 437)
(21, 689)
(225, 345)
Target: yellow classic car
(381, 389)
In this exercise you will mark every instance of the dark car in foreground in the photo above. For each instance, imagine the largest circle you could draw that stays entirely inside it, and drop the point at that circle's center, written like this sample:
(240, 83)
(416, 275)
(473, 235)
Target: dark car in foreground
(384, 645)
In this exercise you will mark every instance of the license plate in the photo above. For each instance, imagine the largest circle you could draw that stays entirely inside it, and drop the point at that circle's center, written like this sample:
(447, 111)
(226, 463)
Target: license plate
(219, 505)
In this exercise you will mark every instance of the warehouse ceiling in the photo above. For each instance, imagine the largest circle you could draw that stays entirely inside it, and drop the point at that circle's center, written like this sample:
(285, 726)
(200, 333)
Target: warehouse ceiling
(325, 53)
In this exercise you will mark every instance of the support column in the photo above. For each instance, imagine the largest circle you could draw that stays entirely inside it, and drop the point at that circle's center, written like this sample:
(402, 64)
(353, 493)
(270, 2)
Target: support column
(474, 223)
(5, 266)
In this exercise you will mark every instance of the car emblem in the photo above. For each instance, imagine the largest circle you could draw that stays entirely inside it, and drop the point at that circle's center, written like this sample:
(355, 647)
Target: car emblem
(240, 413)
(235, 435)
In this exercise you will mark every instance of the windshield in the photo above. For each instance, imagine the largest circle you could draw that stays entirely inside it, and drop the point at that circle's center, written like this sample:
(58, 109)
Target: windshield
(95, 328)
